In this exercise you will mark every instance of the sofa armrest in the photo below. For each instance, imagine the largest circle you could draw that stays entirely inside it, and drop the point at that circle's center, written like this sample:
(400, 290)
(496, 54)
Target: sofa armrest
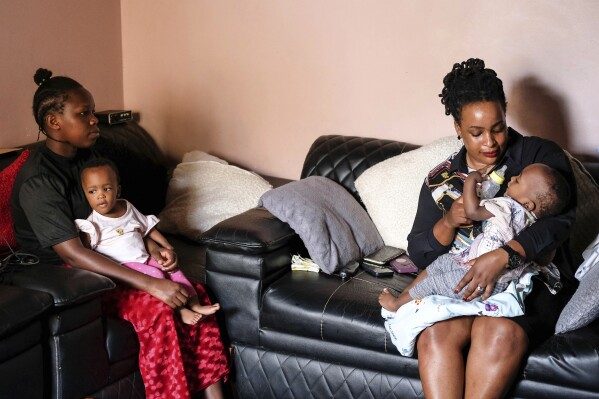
(20, 307)
(255, 231)
(244, 255)
(67, 286)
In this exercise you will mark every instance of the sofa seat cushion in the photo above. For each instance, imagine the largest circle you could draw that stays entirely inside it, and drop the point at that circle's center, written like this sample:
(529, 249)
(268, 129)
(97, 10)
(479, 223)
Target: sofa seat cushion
(327, 308)
(568, 360)
(317, 307)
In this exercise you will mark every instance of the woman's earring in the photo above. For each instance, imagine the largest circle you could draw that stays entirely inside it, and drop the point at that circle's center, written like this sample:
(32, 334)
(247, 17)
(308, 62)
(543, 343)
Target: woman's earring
(459, 137)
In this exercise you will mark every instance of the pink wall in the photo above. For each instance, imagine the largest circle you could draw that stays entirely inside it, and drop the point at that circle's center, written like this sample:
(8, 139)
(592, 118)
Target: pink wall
(80, 39)
(257, 81)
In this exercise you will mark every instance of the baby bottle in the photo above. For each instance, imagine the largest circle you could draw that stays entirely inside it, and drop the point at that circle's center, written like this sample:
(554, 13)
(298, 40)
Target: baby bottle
(490, 186)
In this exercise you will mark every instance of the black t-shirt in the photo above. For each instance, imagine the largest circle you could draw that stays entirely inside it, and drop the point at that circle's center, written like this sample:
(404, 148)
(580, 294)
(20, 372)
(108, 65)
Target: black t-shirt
(46, 199)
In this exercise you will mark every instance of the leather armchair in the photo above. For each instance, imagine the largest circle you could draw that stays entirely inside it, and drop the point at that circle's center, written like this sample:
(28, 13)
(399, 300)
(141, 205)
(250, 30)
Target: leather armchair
(86, 354)
(21, 354)
(56, 338)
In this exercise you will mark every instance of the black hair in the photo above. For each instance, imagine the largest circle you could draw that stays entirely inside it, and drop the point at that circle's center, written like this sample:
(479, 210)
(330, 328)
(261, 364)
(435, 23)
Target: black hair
(51, 94)
(470, 82)
(553, 198)
(99, 162)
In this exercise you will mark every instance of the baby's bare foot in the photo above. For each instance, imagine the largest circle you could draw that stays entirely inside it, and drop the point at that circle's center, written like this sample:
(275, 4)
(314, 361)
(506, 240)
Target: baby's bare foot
(189, 316)
(205, 309)
(194, 304)
(388, 301)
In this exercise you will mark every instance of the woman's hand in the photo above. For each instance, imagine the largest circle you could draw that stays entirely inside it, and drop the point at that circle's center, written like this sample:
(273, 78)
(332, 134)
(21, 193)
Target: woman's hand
(169, 292)
(457, 215)
(444, 229)
(484, 273)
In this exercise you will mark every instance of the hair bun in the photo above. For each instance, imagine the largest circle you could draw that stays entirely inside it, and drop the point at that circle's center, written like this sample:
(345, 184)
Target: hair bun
(41, 75)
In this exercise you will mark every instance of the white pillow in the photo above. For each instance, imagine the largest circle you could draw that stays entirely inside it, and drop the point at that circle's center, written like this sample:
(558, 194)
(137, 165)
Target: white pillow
(203, 193)
(390, 189)
(196, 155)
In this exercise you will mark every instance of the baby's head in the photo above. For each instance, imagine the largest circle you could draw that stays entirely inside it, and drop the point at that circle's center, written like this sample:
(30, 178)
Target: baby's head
(540, 189)
(100, 182)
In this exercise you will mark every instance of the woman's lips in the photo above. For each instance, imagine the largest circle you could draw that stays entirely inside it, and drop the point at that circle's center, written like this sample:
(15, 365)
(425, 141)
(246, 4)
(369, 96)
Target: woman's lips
(491, 154)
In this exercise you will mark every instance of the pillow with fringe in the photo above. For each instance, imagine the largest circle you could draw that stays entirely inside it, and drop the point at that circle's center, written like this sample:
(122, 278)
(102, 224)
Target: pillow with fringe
(204, 191)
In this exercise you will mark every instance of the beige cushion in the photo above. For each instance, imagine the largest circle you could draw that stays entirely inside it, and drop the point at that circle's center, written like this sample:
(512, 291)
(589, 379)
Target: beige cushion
(390, 189)
(204, 191)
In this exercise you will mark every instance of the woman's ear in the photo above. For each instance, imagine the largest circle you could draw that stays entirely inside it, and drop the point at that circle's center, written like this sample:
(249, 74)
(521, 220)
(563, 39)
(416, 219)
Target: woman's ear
(456, 126)
(118, 192)
(52, 121)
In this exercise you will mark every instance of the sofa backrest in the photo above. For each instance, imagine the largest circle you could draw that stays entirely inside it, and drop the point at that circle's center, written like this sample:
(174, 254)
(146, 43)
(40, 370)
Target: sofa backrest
(144, 177)
(344, 158)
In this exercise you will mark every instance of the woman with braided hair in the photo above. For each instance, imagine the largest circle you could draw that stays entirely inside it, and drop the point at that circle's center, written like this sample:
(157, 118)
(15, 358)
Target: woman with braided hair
(494, 347)
(176, 360)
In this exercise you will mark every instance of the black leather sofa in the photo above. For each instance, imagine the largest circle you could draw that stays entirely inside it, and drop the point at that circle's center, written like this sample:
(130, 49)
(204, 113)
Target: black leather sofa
(54, 341)
(312, 335)
(21, 358)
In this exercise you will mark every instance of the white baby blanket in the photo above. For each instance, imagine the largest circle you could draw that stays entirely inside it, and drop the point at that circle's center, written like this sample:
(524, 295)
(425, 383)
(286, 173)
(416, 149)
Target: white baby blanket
(404, 325)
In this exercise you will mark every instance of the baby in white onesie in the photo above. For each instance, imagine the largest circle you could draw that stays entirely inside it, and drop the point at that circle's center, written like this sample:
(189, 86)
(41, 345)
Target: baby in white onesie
(119, 231)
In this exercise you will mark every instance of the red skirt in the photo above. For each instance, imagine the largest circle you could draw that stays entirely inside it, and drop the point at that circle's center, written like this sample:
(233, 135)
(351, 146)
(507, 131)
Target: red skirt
(176, 360)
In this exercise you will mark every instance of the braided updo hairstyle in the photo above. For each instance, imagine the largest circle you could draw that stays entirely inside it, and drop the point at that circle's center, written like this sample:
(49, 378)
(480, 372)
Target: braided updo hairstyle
(51, 94)
(470, 82)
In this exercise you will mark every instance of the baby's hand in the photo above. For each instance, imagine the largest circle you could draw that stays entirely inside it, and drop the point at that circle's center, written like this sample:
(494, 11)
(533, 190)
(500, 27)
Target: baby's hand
(166, 257)
(476, 176)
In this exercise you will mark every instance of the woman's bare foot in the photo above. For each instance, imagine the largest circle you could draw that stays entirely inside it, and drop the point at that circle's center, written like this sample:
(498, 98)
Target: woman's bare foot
(188, 316)
(389, 301)
(193, 303)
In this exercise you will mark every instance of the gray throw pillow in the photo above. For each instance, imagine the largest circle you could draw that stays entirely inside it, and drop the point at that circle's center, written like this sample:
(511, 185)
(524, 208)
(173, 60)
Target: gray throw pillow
(583, 307)
(333, 226)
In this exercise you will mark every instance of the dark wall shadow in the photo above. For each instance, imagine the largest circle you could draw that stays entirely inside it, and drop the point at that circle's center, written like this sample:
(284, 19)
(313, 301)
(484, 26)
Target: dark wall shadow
(539, 111)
